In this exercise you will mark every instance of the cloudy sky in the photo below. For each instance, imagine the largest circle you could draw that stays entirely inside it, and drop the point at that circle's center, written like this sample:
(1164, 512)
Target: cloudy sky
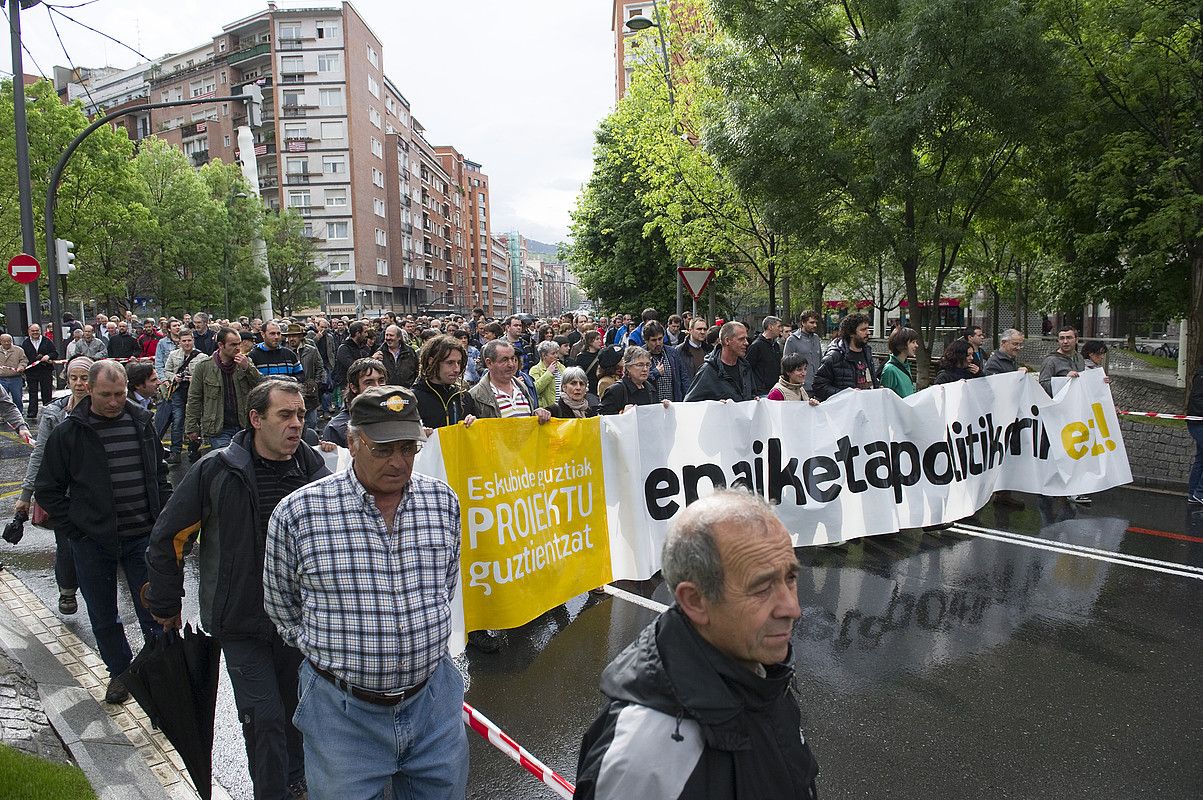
(516, 85)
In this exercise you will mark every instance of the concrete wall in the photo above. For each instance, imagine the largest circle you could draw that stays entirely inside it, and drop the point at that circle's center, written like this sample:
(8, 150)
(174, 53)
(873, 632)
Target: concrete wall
(1160, 456)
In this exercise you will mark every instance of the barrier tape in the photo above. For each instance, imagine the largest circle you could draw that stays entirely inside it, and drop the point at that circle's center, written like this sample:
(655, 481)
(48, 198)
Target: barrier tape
(496, 737)
(1156, 415)
(106, 358)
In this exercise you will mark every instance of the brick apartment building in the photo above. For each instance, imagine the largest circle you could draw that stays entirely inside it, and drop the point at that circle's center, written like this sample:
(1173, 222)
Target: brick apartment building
(396, 221)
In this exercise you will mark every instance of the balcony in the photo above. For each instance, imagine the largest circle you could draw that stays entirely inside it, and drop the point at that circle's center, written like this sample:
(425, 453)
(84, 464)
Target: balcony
(406, 200)
(200, 158)
(293, 178)
(289, 44)
(407, 229)
(195, 129)
(294, 111)
(296, 145)
(292, 77)
(257, 51)
(269, 182)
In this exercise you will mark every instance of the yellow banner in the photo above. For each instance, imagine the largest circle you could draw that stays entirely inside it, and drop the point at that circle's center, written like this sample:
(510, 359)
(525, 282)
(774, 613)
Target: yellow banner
(533, 508)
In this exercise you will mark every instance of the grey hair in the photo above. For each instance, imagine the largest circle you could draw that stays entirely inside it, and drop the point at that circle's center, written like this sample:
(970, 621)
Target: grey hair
(574, 374)
(729, 330)
(1009, 334)
(768, 321)
(691, 551)
(633, 352)
(548, 347)
(109, 369)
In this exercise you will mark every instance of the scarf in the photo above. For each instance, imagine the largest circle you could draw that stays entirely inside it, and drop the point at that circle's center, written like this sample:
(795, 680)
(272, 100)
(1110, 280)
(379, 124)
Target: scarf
(230, 399)
(579, 407)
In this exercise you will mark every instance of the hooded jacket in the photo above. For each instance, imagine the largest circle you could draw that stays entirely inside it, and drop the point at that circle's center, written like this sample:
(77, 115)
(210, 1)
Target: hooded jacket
(714, 382)
(218, 500)
(74, 485)
(440, 405)
(838, 370)
(685, 721)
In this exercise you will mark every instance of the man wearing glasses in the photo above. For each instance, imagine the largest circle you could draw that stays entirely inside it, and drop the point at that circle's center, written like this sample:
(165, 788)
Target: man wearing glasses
(359, 574)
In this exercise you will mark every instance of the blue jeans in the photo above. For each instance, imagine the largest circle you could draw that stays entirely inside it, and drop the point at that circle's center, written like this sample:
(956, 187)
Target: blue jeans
(354, 749)
(16, 387)
(97, 573)
(222, 439)
(178, 399)
(1195, 486)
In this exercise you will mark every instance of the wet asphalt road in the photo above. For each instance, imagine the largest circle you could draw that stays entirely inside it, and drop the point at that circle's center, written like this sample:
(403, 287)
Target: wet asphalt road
(960, 664)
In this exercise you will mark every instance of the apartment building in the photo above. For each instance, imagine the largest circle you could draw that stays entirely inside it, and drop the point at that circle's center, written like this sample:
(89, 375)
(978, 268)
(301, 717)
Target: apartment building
(500, 272)
(624, 53)
(339, 144)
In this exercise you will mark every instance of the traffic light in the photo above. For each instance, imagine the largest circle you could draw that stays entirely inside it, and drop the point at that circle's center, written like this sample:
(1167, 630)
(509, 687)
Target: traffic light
(254, 104)
(64, 256)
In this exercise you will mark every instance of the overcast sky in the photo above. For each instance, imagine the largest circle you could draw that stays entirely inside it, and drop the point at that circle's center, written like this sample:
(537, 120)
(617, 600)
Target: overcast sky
(516, 85)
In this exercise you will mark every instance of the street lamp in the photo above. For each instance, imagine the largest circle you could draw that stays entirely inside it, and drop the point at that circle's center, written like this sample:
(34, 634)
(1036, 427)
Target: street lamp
(642, 23)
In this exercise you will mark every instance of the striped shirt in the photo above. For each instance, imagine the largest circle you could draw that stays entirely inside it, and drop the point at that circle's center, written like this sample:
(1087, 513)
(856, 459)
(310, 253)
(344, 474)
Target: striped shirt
(370, 607)
(278, 362)
(512, 405)
(123, 449)
(664, 377)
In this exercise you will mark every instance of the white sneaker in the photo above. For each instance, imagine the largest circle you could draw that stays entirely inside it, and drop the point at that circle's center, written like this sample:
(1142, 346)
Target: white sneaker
(1082, 500)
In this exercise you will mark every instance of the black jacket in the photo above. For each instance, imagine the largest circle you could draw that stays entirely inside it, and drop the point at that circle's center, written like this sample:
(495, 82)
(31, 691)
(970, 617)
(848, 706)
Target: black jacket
(622, 394)
(1194, 402)
(684, 721)
(205, 342)
(714, 382)
(32, 354)
(953, 375)
(122, 345)
(347, 354)
(837, 371)
(402, 370)
(73, 483)
(440, 406)
(218, 501)
(561, 410)
(764, 357)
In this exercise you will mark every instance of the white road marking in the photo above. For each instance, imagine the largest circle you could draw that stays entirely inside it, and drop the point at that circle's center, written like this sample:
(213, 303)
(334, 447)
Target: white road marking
(1058, 547)
(639, 600)
(1083, 548)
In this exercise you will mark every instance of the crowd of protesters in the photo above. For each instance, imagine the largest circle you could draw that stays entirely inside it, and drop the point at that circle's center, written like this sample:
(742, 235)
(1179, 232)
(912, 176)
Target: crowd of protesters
(235, 398)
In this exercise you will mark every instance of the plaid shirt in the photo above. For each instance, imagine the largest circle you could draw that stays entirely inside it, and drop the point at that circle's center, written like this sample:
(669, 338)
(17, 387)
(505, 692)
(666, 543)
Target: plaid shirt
(371, 609)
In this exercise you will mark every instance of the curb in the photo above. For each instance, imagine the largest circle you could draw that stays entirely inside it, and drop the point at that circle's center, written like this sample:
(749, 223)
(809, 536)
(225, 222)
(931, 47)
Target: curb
(123, 757)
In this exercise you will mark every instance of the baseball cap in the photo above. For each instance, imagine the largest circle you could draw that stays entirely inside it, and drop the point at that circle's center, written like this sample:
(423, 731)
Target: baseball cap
(387, 414)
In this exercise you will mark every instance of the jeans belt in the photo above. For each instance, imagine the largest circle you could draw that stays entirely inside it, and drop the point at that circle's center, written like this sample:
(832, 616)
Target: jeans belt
(375, 698)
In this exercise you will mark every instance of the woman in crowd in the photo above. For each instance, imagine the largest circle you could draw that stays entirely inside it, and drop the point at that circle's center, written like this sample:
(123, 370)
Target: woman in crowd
(587, 359)
(574, 396)
(896, 374)
(472, 367)
(609, 368)
(1094, 353)
(548, 373)
(633, 388)
(954, 364)
(791, 385)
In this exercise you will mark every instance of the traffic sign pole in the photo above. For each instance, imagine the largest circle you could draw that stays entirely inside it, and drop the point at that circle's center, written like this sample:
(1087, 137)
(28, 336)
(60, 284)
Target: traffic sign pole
(33, 301)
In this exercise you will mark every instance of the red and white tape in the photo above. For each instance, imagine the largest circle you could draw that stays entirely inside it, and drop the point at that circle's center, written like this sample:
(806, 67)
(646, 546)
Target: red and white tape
(1157, 415)
(498, 738)
(106, 358)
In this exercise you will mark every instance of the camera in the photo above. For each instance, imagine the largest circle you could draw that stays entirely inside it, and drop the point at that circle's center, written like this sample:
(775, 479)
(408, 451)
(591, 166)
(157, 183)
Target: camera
(14, 530)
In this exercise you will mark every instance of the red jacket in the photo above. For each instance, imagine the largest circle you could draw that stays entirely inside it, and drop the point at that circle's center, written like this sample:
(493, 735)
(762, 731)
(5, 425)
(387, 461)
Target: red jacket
(147, 344)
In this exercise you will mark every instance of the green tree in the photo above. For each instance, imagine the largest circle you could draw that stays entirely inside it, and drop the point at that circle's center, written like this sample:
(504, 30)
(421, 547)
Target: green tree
(240, 219)
(1130, 186)
(294, 276)
(897, 119)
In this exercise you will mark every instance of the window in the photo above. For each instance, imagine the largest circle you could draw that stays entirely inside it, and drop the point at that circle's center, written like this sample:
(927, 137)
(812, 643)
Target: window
(381, 238)
(296, 166)
(329, 98)
(202, 88)
(381, 266)
(378, 206)
(336, 230)
(377, 178)
(296, 130)
(332, 130)
(336, 198)
(334, 165)
(374, 116)
(290, 30)
(377, 148)
(293, 64)
(327, 30)
(328, 62)
(373, 57)
(338, 264)
(307, 229)
(293, 97)
(298, 199)
(373, 87)
(226, 140)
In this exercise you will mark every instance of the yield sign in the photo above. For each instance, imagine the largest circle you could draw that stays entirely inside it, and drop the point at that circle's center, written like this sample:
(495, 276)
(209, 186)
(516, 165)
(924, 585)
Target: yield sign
(695, 280)
(24, 268)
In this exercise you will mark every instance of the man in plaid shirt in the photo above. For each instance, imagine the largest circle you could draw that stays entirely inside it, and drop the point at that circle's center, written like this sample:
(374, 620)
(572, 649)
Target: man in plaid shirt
(359, 573)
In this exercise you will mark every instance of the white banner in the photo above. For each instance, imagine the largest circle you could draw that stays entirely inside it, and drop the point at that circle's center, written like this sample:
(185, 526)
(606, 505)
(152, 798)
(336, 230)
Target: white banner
(862, 463)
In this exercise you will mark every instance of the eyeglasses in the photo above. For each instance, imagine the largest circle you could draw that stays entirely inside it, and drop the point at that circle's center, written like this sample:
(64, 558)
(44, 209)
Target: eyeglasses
(647, 364)
(383, 451)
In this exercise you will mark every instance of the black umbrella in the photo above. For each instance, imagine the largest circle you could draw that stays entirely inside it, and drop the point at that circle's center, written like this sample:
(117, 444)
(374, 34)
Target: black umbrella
(174, 679)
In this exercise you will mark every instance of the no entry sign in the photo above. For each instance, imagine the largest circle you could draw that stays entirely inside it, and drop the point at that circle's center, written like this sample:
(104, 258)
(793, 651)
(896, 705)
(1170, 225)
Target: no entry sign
(24, 268)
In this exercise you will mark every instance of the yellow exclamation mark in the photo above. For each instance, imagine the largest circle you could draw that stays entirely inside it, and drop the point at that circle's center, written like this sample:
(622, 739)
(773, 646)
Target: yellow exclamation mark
(1101, 427)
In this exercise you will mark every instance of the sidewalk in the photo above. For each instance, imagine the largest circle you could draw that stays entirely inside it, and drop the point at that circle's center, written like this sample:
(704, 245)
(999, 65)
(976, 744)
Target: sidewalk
(123, 757)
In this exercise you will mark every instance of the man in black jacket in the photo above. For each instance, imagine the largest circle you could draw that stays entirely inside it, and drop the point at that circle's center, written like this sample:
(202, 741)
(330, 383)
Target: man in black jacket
(103, 481)
(39, 374)
(121, 344)
(353, 348)
(764, 356)
(227, 498)
(700, 704)
(848, 363)
(399, 359)
(725, 374)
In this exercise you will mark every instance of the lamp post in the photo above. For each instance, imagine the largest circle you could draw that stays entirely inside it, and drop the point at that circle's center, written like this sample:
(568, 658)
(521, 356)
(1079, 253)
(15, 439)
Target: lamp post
(642, 24)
